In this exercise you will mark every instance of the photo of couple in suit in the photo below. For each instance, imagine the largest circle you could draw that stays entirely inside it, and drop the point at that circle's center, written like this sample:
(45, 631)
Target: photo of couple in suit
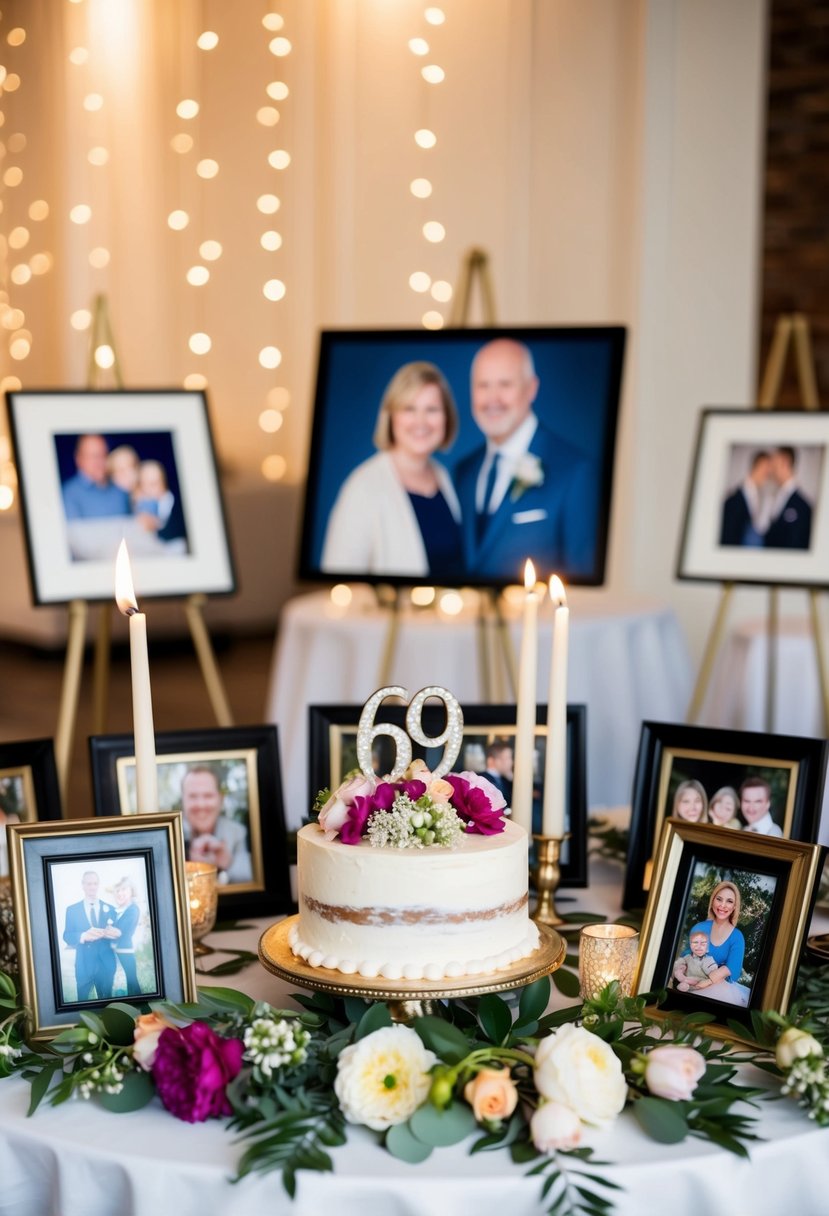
(773, 504)
(518, 490)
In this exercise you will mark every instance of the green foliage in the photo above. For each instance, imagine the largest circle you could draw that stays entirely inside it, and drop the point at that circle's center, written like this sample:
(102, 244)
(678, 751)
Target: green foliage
(608, 841)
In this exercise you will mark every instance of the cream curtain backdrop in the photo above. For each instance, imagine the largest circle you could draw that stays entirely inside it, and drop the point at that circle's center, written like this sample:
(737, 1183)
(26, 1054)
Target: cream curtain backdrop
(607, 156)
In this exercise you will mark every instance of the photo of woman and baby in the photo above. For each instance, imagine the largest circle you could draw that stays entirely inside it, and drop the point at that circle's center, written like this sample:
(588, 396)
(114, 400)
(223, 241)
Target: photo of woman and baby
(120, 485)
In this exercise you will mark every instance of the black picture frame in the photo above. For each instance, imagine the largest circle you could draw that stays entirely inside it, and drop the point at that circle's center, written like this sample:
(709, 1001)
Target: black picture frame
(49, 866)
(328, 724)
(580, 372)
(776, 882)
(718, 758)
(249, 755)
(71, 546)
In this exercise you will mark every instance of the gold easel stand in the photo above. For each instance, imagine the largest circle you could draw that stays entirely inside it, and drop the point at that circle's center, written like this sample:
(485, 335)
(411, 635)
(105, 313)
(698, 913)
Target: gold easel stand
(101, 335)
(790, 332)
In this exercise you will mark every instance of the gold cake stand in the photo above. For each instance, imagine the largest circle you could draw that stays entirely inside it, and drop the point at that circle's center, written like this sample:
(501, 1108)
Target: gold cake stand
(407, 998)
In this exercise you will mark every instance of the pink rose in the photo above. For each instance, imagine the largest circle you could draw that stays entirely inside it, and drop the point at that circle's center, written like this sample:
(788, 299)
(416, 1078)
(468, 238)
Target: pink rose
(496, 799)
(492, 1094)
(335, 812)
(192, 1069)
(553, 1126)
(148, 1028)
(672, 1071)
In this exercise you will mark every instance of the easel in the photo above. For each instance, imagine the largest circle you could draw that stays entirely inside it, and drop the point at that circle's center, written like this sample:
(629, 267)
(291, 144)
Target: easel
(791, 331)
(100, 334)
(492, 632)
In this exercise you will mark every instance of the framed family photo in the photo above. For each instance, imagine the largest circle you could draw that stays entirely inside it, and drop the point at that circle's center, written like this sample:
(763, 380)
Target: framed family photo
(758, 500)
(742, 782)
(487, 748)
(725, 922)
(227, 784)
(29, 788)
(98, 467)
(402, 485)
(101, 915)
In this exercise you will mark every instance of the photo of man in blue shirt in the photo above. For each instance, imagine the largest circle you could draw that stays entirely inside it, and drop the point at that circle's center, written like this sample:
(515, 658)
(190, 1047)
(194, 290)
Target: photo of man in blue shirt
(90, 494)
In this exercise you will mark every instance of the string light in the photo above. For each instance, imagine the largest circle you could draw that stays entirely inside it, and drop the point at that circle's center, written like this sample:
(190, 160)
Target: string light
(208, 41)
(422, 187)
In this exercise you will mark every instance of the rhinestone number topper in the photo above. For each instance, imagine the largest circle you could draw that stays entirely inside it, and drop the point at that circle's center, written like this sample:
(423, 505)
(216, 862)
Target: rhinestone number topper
(368, 730)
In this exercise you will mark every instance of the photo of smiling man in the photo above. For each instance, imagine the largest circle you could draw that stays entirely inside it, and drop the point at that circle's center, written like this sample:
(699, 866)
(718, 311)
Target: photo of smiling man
(209, 835)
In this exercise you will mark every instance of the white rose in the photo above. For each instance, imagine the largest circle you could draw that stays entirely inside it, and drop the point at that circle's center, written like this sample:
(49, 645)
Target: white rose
(383, 1078)
(579, 1069)
(554, 1126)
(795, 1044)
(673, 1071)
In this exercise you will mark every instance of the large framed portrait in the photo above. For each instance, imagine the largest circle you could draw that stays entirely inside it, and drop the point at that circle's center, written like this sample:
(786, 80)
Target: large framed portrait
(402, 485)
(227, 784)
(29, 788)
(758, 501)
(101, 915)
(725, 921)
(742, 782)
(487, 748)
(98, 467)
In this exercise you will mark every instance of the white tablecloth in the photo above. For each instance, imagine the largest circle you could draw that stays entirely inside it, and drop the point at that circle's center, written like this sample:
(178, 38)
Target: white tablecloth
(76, 1160)
(626, 663)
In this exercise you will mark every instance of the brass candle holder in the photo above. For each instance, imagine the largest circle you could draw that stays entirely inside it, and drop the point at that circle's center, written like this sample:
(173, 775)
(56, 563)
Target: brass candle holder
(607, 953)
(546, 874)
(203, 898)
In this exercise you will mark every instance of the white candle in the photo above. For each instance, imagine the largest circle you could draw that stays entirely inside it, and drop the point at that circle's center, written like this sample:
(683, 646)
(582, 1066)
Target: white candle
(555, 768)
(146, 779)
(522, 778)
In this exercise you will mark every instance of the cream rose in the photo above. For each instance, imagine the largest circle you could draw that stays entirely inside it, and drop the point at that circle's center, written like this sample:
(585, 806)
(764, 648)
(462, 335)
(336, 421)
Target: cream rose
(148, 1028)
(383, 1078)
(579, 1069)
(555, 1125)
(795, 1044)
(492, 1094)
(418, 770)
(440, 790)
(335, 812)
(673, 1071)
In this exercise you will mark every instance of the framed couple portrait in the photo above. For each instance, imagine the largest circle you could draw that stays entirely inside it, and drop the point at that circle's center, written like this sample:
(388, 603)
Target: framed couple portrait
(226, 782)
(98, 467)
(487, 748)
(451, 457)
(742, 783)
(101, 915)
(758, 500)
(725, 922)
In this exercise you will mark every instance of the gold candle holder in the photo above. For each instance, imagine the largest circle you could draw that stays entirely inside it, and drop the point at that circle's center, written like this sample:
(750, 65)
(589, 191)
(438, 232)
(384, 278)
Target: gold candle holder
(607, 953)
(546, 874)
(203, 898)
(8, 946)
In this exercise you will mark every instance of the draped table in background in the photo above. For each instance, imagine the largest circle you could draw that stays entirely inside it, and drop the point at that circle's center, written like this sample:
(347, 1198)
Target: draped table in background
(628, 662)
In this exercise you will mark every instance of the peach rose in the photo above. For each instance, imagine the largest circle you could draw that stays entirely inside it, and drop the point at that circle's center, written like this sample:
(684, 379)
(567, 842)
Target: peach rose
(418, 770)
(148, 1028)
(492, 1094)
(673, 1071)
(439, 790)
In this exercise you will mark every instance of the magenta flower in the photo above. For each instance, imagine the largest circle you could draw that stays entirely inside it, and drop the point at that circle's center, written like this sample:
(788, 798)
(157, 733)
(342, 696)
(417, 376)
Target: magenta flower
(473, 806)
(412, 789)
(353, 830)
(191, 1070)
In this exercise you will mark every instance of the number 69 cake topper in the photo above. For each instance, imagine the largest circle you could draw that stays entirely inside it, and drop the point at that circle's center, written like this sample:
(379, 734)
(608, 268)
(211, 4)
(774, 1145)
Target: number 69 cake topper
(451, 735)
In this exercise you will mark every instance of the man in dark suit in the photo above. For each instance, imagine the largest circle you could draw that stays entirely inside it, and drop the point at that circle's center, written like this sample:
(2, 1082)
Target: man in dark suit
(86, 933)
(525, 492)
(743, 518)
(791, 524)
(499, 767)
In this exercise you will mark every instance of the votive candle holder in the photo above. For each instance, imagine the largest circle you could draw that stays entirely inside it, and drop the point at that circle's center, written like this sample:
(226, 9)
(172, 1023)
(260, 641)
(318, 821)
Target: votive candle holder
(607, 953)
(202, 898)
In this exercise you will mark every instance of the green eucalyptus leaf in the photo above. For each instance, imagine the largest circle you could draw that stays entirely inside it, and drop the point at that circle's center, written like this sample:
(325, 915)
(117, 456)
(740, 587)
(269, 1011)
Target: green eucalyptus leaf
(534, 1000)
(120, 1024)
(40, 1085)
(7, 985)
(443, 1127)
(354, 1008)
(566, 982)
(137, 1091)
(441, 1037)
(402, 1144)
(663, 1121)
(495, 1017)
(375, 1018)
(94, 1023)
(220, 1000)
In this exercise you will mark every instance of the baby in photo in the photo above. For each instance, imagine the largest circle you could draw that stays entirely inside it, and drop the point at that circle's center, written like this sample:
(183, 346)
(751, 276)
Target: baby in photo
(689, 969)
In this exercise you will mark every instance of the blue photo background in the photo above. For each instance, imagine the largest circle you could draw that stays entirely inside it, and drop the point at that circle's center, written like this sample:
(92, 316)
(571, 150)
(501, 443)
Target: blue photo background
(579, 371)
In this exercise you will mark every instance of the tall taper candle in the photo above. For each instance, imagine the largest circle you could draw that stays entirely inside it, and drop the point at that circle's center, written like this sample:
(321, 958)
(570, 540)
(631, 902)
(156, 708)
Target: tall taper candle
(146, 778)
(522, 778)
(555, 767)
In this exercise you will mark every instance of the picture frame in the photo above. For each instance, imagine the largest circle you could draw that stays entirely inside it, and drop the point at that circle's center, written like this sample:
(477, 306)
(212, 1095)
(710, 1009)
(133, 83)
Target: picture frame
(757, 508)
(73, 955)
(556, 511)
(96, 467)
(237, 784)
(332, 733)
(706, 880)
(671, 754)
(29, 789)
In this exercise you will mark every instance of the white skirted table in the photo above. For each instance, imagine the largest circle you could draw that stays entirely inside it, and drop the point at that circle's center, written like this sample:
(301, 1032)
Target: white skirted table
(627, 662)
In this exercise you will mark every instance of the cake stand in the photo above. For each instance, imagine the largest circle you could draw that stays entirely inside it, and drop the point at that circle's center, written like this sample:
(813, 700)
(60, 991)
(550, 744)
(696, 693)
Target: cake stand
(406, 998)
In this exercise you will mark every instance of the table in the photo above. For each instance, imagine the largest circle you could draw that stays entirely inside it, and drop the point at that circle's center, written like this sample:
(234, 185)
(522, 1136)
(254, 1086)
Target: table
(628, 662)
(76, 1160)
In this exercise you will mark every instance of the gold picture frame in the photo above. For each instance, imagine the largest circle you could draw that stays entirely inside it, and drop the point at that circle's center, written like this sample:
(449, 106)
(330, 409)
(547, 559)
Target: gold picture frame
(775, 880)
(99, 905)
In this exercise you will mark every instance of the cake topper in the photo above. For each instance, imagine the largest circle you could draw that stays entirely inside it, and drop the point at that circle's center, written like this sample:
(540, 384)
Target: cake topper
(451, 735)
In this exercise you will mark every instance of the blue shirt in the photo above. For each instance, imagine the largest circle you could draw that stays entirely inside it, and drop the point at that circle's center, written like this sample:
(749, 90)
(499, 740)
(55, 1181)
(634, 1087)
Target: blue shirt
(730, 954)
(85, 499)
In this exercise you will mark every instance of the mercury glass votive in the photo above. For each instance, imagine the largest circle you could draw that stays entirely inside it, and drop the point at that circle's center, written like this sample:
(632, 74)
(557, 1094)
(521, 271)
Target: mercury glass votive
(607, 953)
(202, 897)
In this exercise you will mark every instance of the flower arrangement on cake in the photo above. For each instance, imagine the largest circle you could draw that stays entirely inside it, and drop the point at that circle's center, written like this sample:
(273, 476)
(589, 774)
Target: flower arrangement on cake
(528, 1083)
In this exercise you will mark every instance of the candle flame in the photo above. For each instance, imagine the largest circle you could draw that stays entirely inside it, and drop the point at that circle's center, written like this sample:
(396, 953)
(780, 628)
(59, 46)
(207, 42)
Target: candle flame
(124, 590)
(557, 592)
(529, 575)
